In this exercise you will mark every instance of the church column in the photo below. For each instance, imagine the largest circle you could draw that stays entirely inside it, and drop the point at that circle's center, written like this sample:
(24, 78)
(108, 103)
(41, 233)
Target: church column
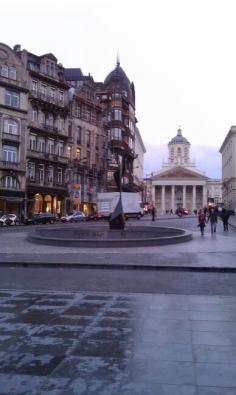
(173, 198)
(163, 205)
(204, 195)
(184, 196)
(153, 195)
(194, 198)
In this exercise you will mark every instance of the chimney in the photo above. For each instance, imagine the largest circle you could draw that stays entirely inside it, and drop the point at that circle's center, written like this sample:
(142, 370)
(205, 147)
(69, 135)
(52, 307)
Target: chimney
(17, 48)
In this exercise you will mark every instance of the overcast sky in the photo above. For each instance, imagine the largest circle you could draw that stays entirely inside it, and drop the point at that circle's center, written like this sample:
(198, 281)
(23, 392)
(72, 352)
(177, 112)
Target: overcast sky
(180, 54)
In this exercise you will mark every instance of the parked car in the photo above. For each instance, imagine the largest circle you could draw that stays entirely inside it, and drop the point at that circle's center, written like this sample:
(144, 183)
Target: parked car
(182, 211)
(9, 219)
(74, 217)
(44, 218)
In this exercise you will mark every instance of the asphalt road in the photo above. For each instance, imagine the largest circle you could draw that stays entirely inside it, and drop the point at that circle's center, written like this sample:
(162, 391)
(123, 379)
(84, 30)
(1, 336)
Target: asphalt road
(124, 281)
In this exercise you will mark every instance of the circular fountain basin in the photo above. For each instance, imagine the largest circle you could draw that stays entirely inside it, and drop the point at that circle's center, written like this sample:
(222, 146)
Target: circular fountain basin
(103, 237)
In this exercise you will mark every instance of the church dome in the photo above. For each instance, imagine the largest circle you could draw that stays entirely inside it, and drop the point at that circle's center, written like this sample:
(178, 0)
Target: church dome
(179, 139)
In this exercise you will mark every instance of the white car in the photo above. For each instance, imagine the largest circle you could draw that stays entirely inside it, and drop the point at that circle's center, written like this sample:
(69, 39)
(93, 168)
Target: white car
(74, 217)
(9, 219)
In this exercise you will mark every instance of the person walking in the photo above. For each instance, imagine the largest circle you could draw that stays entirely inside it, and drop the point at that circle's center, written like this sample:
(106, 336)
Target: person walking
(201, 221)
(225, 218)
(153, 213)
(212, 217)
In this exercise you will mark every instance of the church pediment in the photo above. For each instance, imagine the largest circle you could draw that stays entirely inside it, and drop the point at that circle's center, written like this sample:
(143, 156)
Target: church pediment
(180, 173)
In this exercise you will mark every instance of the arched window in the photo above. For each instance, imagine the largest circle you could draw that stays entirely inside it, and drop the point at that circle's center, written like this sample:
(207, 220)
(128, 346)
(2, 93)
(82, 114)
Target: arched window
(179, 151)
(11, 126)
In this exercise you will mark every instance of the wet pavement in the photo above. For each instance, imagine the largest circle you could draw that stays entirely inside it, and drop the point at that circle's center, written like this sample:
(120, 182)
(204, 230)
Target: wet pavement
(86, 343)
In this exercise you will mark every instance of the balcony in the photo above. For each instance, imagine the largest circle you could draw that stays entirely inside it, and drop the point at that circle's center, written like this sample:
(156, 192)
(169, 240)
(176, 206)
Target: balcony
(45, 183)
(13, 83)
(15, 166)
(47, 156)
(40, 96)
(11, 137)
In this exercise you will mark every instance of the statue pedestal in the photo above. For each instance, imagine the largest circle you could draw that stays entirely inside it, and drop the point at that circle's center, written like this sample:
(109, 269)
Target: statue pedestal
(117, 220)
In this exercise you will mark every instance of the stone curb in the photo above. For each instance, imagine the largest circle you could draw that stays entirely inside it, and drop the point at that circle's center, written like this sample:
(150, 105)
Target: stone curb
(212, 269)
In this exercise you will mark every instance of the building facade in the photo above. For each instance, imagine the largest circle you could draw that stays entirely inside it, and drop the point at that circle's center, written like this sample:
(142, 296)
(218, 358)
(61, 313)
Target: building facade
(179, 184)
(117, 96)
(13, 131)
(63, 135)
(228, 152)
(87, 143)
(47, 133)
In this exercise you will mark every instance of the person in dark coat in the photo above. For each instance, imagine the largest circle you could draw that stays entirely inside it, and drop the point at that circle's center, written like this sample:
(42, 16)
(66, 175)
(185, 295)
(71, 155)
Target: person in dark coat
(225, 218)
(201, 221)
(212, 217)
(153, 213)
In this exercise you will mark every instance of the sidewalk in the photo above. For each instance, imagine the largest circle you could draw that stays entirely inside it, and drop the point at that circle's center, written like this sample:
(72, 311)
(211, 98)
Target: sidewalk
(211, 252)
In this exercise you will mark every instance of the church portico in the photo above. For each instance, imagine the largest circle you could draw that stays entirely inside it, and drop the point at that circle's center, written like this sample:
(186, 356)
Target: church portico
(170, 197)
(179, 184)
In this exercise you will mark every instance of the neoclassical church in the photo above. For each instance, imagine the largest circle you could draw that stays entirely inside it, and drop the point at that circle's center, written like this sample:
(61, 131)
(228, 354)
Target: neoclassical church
(180, 184)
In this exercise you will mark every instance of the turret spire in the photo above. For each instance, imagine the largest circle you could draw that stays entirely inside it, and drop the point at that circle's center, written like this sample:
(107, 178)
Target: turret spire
(117, 60)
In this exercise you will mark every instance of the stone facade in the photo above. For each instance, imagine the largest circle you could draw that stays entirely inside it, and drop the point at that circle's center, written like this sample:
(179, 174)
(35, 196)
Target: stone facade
(61, 134)
(179, 183)
(13, 131)
(228, 152)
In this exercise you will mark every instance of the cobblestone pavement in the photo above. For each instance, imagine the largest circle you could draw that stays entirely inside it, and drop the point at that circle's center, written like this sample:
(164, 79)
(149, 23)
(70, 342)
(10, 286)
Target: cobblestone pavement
(88, 343)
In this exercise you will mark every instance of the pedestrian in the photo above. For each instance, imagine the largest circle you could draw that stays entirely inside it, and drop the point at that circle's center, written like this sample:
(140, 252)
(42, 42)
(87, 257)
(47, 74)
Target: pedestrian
(225, 218)
(201, 221)
(212, 217)
(153, 213)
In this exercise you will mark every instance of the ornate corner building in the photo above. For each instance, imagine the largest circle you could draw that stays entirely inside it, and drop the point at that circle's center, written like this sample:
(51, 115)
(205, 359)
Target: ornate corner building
(117, 96)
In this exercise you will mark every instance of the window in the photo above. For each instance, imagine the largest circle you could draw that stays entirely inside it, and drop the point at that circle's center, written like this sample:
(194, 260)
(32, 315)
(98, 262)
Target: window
(10, 126)
(77, 111)
(78, 153)
(41, 145)
(60, 149)
(49, 120)
(78, 134)
(31, 170)
(12, 99)
(59, 176)
(12, 73)
(69, 152)
(9, 182)
(61, 97)
(50, 174)
(117, 115)
(88, 158)
(115, 134)
(32, 142)
(51, 146)
(52, 94)
(34, 86)
(4, 71)
(34, 115)
(9, 153)
(43, 90)
(88, 138)
(41, 173)
(61, 124)
(96, 141)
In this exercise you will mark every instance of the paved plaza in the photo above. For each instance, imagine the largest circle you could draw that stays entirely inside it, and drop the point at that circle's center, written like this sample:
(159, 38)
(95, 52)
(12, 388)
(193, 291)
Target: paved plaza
(115, 344)
(83, 342)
